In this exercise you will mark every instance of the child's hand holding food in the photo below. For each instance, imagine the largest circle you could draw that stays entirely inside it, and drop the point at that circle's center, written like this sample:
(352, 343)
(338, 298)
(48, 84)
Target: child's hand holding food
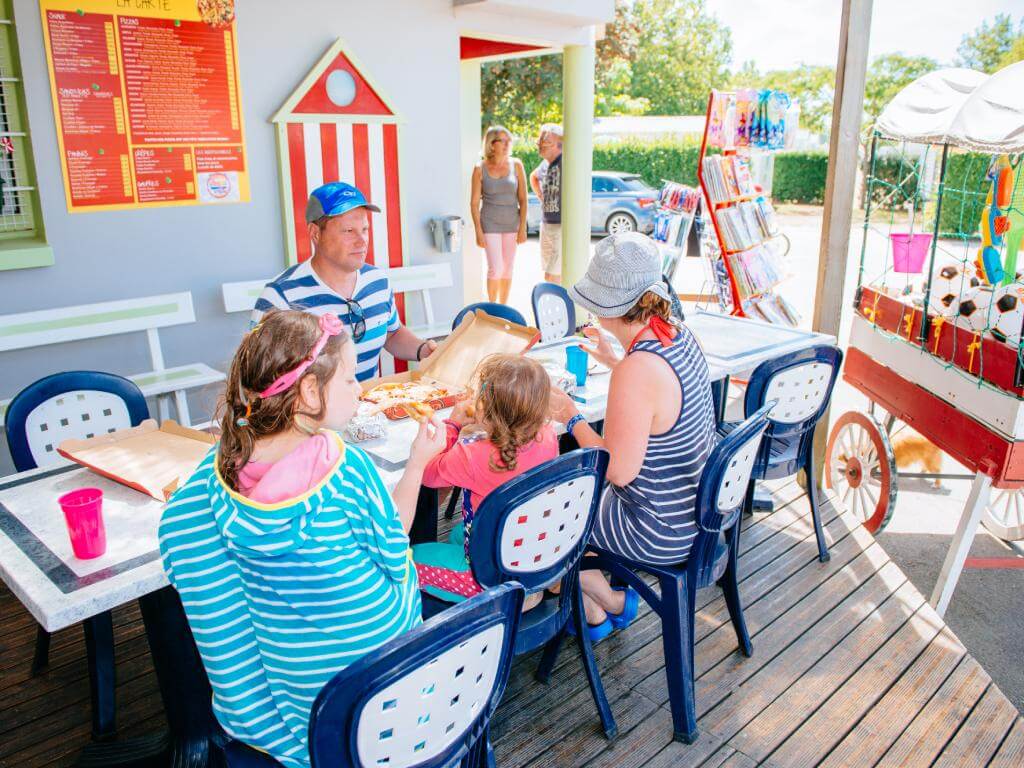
(463, 413)
(430, 440)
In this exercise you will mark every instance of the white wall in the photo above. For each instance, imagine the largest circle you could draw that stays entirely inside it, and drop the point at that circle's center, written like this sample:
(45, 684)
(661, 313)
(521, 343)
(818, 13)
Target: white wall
(409, 47)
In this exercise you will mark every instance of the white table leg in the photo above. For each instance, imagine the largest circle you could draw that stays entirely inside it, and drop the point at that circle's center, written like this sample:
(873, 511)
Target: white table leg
(163, 407)
(181, 406)
(961, 544)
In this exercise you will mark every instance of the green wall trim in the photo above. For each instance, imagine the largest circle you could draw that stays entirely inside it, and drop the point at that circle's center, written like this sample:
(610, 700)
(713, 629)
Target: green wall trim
(100, 317)
(25, 254)
(145, 381)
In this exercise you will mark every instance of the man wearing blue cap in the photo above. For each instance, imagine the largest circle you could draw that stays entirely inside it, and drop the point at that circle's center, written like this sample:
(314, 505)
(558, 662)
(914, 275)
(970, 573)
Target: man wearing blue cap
(338, 280)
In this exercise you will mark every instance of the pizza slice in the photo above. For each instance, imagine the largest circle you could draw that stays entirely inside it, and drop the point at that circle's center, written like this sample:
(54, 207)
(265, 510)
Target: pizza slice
(420, 412)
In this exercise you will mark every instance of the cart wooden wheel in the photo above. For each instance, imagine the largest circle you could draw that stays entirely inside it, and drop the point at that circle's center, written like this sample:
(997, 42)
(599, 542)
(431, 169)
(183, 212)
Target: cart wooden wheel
(861, 468)
(1004, 515)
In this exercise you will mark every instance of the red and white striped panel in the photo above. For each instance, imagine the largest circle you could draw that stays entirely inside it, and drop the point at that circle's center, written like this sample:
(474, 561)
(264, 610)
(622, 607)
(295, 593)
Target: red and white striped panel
(366, 156)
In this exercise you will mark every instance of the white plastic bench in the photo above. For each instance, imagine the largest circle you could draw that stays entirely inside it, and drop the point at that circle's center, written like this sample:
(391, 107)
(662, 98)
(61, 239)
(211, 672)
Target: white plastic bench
(241, 296)
(110, 318)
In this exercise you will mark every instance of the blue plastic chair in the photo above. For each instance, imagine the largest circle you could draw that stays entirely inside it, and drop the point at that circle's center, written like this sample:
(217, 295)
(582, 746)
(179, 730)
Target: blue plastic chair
(74, 405)
(553, 311)
(534, 530)
(423, 699)
(493, 309)
(801, 383)
(724, 491)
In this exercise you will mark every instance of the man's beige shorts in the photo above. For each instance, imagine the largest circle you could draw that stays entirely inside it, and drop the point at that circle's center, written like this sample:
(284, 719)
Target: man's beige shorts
(551, 248)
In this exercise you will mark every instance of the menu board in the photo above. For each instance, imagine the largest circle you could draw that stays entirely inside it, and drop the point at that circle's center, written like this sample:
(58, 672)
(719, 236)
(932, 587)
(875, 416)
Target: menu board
(147, 102)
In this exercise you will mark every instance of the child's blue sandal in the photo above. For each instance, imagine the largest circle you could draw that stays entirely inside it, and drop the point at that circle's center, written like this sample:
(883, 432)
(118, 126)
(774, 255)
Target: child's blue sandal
(630, 608)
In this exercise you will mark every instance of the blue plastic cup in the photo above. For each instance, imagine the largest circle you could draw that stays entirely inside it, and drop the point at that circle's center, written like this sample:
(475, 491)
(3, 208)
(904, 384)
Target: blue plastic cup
(576, 361)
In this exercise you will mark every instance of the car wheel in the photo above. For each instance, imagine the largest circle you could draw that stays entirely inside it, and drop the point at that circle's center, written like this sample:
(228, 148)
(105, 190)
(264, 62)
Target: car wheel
(620, 222)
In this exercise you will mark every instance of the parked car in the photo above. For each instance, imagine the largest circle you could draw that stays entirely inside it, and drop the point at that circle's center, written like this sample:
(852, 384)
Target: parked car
(619, 202)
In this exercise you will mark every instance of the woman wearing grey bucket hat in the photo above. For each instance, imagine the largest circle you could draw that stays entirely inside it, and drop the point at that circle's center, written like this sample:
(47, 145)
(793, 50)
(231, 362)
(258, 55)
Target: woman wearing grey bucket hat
(659, 425)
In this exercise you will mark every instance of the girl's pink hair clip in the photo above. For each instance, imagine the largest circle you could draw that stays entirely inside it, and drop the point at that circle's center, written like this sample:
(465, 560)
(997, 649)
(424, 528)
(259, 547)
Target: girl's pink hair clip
(330, 326)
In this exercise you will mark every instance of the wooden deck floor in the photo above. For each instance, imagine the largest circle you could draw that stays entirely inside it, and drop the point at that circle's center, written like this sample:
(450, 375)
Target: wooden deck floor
(850, 667)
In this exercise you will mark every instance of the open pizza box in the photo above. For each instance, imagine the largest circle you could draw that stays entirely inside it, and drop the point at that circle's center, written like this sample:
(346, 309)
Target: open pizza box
(456, 358)
(154, 459)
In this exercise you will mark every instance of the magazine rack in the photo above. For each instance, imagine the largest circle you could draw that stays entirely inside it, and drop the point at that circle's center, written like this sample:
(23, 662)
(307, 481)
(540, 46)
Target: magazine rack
(740, 213)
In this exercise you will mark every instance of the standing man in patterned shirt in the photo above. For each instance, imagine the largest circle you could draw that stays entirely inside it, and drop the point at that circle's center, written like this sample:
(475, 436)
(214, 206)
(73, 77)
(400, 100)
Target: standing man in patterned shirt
(338, 280)
(549, 144)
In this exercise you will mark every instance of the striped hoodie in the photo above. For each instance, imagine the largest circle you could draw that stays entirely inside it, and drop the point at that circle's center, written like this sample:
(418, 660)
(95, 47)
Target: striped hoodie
(282, 596)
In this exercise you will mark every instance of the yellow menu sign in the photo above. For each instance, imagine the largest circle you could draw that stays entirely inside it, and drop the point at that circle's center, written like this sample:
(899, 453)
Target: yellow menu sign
(147, 103)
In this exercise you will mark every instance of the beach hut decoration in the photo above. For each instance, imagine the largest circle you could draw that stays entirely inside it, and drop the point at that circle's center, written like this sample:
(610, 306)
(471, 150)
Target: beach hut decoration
(338, 126)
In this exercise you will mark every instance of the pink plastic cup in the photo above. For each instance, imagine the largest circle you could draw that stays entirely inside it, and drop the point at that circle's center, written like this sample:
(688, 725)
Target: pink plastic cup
(83, 512)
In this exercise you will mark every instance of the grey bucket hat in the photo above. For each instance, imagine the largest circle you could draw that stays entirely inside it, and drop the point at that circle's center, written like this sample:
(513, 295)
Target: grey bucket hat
(624, 268)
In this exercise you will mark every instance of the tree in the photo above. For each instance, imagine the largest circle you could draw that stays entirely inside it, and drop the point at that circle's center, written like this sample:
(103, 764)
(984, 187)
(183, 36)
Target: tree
(613, 70)
(657, 57)
(522, 93)
(682, 52)
(1015, 52)
(887, 75)
(986, 47)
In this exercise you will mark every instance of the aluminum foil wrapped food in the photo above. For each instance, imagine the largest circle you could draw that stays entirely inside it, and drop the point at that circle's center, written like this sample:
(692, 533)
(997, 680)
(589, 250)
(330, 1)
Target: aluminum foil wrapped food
(367, 424)
(560, 377)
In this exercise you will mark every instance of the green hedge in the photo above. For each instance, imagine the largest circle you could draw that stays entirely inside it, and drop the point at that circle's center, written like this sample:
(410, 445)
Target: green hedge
(963, 197)
(965, 192)
(799, 176)
(653, 161)
(895, 183)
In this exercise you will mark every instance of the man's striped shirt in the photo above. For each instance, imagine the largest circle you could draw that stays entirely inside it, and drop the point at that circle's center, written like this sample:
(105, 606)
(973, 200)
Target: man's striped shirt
(300, 287)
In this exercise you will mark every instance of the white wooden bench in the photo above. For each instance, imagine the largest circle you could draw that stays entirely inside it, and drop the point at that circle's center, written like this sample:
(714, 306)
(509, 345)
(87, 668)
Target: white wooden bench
(241, 296)
(110, 318)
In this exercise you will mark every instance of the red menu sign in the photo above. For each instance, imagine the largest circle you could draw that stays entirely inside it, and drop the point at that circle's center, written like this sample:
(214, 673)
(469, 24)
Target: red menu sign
(146, 99)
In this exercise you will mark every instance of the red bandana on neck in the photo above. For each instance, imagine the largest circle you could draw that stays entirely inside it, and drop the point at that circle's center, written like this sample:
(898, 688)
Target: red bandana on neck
(661, 328)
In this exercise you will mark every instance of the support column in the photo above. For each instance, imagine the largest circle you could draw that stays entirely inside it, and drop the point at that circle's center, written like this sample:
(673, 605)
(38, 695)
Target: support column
(470, 117)
(847, 111)
(577, 158)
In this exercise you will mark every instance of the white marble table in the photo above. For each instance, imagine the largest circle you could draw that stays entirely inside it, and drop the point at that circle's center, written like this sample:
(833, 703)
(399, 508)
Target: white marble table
(36, 560)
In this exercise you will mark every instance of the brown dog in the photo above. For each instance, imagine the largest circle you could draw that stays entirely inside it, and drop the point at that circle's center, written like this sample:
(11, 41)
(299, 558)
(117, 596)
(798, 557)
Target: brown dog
(912, 448)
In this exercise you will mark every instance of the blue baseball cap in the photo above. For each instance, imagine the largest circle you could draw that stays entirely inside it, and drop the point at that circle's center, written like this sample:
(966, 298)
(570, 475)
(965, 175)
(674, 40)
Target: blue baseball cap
(335, 199)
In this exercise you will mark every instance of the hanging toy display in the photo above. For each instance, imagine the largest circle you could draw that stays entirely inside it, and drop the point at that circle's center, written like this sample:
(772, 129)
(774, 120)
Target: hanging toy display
(995, 222)
(764, 119)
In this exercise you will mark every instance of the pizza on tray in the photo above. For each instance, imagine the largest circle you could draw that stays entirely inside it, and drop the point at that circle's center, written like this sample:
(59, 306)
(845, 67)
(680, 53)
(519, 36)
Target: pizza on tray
(412, 398)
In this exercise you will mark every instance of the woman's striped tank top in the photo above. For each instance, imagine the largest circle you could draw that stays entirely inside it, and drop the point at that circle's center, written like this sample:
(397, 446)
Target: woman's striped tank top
(652, 518)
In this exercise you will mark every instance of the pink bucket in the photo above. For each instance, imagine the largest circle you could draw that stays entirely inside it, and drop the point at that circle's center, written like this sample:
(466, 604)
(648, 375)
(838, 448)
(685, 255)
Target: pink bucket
(83, 512)
(908, 251)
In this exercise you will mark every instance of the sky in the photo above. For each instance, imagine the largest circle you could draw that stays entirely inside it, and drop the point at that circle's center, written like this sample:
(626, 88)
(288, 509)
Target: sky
(791, 32)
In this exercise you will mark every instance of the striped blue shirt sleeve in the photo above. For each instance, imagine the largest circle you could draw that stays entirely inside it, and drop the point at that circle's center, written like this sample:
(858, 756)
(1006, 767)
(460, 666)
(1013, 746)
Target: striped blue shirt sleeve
(379, 530)
(393, 322)
(269, 299)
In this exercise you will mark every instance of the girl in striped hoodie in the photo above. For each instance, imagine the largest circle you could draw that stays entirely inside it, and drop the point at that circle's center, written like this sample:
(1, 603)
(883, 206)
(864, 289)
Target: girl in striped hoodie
(290, 556)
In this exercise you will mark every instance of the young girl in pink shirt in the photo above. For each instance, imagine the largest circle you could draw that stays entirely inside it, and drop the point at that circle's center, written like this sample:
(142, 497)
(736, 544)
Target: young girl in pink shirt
(500, 434)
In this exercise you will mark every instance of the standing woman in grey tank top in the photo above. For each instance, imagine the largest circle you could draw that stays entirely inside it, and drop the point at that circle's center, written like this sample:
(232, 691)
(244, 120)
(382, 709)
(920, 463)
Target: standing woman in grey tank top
(498, 206)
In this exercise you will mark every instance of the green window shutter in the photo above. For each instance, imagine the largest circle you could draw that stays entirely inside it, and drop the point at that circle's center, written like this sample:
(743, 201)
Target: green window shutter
(22, 241)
